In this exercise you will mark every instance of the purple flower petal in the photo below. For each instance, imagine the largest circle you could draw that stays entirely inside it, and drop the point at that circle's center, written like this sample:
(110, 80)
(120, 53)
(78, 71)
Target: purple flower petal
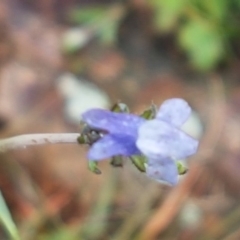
(174, 111)
(158, 138)
(113, 122)
(162, 170)
(112, 145)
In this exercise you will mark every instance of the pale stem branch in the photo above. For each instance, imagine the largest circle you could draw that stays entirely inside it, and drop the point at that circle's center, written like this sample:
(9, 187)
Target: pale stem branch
(23, 141)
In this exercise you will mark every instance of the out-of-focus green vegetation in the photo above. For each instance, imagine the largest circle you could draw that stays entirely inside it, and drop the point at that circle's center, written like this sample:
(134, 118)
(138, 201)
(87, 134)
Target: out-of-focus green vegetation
(7, 221)
(103, 21)
(203, 29)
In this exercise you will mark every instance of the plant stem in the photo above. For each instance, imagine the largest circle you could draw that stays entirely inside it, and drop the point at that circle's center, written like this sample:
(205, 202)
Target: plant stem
(23, 141)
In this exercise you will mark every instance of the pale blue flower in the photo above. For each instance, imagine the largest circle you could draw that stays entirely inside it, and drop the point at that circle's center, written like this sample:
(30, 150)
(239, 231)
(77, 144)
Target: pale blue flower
(161, 140)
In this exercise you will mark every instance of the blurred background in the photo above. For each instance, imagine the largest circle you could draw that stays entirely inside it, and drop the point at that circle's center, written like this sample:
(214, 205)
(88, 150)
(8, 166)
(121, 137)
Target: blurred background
(61, 57)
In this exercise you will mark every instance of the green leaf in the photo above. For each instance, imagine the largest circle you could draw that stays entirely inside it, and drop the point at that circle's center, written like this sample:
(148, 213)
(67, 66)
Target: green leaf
(181, 168)
(203, 44)
(108, 32)
(167, 13)
(61, 233)
(7, 221)
(150, 113)
(237, 2)
(92, 166)
(117, 161)
(120, 108)
(83, 139)
(139, 162)
(88, 15)
(214, 9)
(104, 21)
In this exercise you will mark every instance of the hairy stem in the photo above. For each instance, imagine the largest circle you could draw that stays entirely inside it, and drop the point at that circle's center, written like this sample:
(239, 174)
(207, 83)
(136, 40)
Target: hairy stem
(23, 141)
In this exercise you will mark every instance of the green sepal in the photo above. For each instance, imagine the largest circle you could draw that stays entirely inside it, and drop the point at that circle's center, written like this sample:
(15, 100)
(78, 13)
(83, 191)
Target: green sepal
(117, 161)
(92, 166)
(181, 168)
(83, 139)
(120, 108)
(139, 162)
(150, 113)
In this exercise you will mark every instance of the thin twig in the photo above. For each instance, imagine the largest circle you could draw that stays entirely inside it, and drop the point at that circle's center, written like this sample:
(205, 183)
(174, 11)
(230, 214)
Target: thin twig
(23, 141)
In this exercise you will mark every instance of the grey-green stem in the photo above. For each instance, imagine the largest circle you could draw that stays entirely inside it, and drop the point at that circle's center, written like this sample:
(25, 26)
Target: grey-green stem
(23, 141)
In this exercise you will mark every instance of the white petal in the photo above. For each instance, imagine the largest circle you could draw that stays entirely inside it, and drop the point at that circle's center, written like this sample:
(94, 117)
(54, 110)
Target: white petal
(174, 111)
(157, 138)
(163, 170)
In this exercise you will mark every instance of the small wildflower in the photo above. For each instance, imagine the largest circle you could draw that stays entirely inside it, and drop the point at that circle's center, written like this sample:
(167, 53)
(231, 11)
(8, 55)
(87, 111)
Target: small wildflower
(120, 132)
(160, 140)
